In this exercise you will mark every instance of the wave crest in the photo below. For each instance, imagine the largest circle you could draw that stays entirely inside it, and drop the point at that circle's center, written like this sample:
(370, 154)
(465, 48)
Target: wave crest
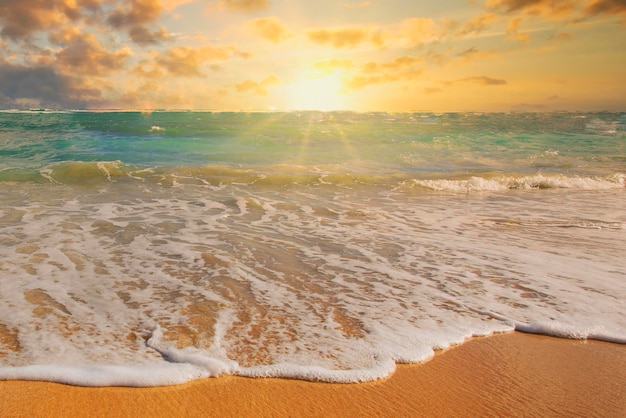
(538, 181)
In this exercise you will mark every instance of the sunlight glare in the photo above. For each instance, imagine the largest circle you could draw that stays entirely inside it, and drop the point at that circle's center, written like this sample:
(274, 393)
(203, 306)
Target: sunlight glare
(317, 93)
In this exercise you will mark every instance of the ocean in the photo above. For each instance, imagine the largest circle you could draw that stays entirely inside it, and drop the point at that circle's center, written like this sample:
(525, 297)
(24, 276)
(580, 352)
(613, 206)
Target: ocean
(154, 248)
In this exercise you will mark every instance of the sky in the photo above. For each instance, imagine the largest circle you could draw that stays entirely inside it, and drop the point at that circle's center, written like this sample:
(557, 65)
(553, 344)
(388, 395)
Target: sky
(360, 55)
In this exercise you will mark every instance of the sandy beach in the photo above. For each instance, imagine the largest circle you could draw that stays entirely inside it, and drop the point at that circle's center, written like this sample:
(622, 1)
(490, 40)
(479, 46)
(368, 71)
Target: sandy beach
(503, 375)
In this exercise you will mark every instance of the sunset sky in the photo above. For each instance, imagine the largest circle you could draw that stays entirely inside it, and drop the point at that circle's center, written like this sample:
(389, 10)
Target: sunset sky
(362, 55)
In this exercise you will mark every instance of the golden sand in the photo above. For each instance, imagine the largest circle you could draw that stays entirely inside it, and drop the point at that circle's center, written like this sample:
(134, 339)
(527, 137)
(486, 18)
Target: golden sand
(504, 375)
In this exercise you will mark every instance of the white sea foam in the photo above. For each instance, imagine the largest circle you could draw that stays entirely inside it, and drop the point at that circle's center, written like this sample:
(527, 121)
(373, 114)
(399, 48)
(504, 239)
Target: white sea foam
(156, 285)
(162, 374)
(596, 332)
(539, 181)
(312, 246)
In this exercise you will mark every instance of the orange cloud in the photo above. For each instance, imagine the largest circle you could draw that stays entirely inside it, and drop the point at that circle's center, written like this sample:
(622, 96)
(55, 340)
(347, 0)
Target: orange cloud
(142, 35)
(362, 81)
(342, 38)
(472, 53)
(83, 53)
(432, 90)
(186, 61)
(394, 65)
(21, 18)
(135, 16)
(359, 82)
(257, 87)
(480, 80)
(513, 33)
(477, 24)
(172, 4)
(332, 65)
(399, 69)
(247, 6)
(269, 28)
(146, 70)
(483, 80)
(617, 7)
(404, 61)
(551, 8)
(421, 30)
(135, 12)
(151, 95)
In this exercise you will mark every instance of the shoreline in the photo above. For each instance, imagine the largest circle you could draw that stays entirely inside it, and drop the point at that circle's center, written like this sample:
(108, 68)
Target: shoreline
(501, 375)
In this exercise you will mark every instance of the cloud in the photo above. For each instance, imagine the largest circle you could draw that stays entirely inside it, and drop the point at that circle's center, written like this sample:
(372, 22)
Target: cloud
(332, 65)
(83, 53)
(616, 7)
(358, 82)
(477, 24)
(550, 8)
(147, 70)
(468, 53)
(43, 85)
(135, 12)
(344, 38)
(432, 90)
(480, 80)
(151, 95)
(186, 61)
(269, 28)
(256, 87)
(246, 6)
(483, 80)
(422, 30)
(513, 33)
(22, 18)
(133, 16)
(362, 81)
(143, 36)
(472, 53)
(399, 69)
(395, 64)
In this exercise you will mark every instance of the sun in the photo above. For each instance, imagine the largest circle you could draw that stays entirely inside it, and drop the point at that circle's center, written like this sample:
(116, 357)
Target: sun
(317, 92)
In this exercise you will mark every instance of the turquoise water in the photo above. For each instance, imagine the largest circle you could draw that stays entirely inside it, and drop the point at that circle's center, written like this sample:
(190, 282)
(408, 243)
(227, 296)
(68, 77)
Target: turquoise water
(409, 145)
(155, 248)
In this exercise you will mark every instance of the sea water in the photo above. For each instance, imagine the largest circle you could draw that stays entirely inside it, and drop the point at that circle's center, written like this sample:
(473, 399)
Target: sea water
(155, 248)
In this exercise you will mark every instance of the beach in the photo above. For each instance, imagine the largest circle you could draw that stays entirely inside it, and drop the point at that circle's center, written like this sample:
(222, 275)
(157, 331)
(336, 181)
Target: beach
(510, 374)
(257, 208)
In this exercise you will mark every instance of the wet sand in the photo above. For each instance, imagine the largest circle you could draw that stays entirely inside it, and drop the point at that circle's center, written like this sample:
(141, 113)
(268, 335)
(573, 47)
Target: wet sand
(504, 375)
